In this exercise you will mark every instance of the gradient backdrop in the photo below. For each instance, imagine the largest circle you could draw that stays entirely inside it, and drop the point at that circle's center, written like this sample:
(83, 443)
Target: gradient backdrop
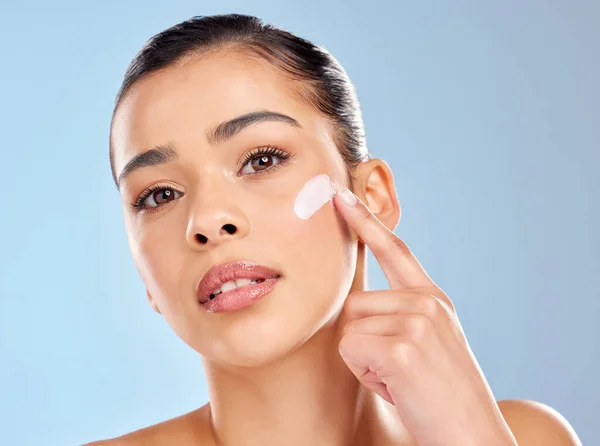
(487, 112)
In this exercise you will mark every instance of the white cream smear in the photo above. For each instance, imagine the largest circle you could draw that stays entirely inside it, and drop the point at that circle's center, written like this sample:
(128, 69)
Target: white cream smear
(314, 194)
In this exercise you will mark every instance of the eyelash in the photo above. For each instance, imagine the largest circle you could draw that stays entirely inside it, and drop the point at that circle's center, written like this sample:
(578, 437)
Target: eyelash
(138, 205)
(266, 150)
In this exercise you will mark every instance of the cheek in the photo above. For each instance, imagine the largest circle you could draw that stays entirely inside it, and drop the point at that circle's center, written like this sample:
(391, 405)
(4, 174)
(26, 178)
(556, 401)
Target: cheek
(313, 238)
(316, 252)
(315, 247)
(153, 254)
(276, 225)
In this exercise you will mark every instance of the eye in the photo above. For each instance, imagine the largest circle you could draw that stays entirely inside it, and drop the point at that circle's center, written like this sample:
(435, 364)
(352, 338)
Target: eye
(260, 162)
(155, 197)
(263, 159)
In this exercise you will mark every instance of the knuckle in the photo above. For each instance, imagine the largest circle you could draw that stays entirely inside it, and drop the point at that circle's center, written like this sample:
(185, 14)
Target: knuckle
(345, 344)
(352, 303)
(430, 306)
(355, 301)
(349, 344)
(444, 299)
(417, 327)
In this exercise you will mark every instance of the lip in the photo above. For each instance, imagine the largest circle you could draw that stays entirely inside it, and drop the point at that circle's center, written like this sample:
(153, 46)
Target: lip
(240, 297)
(242, 269)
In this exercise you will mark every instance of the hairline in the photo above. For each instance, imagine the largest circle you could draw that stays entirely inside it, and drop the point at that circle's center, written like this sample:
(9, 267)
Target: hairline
(299, 86)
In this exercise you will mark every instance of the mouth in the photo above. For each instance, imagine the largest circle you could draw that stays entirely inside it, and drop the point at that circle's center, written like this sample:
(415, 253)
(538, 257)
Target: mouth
(235, 285)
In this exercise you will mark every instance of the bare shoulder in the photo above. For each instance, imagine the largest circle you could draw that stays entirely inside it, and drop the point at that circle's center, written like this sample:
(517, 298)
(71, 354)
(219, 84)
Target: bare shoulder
(535, 423)
(192, 428)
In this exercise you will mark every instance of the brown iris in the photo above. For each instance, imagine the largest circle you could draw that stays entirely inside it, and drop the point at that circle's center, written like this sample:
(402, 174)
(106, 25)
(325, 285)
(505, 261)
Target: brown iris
(163, 196)
(262, 162)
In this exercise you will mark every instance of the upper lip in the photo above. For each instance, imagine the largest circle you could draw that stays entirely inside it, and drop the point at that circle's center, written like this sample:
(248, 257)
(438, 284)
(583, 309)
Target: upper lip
(220, 274)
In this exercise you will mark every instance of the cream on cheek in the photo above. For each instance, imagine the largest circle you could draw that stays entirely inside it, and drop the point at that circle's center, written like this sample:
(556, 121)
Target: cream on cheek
(315, 193)
(322, 239)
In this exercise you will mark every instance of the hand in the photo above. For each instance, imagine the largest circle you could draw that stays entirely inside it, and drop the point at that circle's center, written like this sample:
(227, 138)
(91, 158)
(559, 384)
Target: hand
(407, 345)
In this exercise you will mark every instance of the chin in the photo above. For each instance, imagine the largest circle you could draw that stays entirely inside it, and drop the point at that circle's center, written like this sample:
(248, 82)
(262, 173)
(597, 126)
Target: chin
(268, 331)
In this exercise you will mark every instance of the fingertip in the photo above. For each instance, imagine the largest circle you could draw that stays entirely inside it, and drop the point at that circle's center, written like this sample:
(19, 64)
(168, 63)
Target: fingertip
(347, 197)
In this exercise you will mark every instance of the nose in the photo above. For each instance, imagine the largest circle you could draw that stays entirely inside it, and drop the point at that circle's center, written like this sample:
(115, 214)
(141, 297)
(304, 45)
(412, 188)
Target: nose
(215, 221)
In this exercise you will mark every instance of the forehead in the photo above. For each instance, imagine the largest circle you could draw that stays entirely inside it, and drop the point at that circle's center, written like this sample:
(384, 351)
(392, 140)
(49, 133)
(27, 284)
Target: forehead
(183, 102)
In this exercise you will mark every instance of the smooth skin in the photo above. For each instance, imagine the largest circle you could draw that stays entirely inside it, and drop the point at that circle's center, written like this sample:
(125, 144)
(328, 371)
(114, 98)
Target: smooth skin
(320, 360)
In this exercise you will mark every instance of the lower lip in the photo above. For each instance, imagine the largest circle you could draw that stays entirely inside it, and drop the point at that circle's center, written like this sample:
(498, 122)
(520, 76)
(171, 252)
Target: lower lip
(240, 297)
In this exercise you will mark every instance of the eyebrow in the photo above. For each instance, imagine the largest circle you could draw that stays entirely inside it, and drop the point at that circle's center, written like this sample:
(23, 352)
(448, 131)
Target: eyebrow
(152, 157)
(221, 133)
(228, 129)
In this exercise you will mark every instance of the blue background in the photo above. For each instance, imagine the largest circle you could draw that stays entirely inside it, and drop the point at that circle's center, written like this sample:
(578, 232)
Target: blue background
(487, 112)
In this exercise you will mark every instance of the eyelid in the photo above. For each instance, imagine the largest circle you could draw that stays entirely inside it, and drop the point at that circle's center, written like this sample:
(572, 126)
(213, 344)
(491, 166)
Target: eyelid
(268, 149)
(147, 192)
(245, 158)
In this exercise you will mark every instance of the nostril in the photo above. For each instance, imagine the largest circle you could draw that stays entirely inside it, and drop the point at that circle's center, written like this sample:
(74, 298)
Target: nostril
(230, 229)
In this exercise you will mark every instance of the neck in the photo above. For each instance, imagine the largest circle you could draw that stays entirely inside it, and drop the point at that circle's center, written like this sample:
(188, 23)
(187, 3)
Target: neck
(308, 397)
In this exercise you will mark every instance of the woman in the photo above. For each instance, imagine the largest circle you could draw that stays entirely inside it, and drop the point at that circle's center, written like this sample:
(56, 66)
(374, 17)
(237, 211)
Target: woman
(219, 123)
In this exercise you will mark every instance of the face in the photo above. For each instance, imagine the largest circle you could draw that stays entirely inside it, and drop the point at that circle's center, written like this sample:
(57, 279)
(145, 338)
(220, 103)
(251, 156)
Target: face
(247, 179)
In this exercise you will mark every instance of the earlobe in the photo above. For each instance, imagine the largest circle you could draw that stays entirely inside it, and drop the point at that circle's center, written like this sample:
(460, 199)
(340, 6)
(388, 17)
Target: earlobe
(375, 186)
(151, 301)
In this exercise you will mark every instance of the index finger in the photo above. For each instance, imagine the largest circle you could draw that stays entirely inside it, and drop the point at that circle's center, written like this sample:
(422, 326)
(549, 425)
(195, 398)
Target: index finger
(398, 263)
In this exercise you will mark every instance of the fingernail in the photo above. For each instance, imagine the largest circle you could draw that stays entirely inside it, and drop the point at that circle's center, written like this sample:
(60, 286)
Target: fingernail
(347, 197)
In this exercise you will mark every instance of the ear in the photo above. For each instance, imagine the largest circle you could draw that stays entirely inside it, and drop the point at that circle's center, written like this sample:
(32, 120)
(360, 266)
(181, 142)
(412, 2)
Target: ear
(152, 303)
(374, 184)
